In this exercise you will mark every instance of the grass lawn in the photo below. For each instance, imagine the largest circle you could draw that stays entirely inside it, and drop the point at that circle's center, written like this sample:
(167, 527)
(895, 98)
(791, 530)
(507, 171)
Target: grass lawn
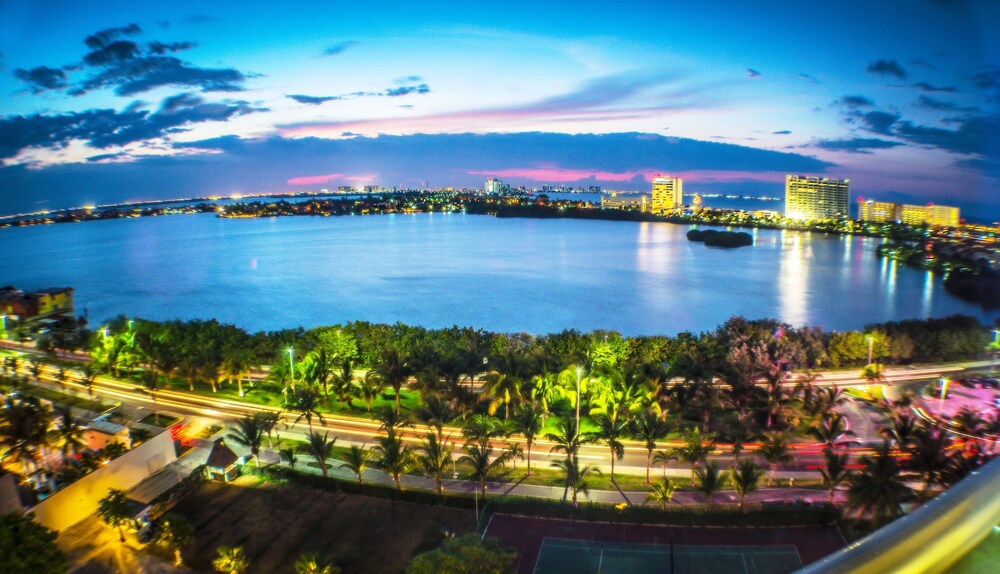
(163, 420)
(80, 402)
(275, 525)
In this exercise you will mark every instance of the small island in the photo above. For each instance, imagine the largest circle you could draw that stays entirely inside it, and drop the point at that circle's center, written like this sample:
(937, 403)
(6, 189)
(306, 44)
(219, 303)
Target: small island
(714, 238)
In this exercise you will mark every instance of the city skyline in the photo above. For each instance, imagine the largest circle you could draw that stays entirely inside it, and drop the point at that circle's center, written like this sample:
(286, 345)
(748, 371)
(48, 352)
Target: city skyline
(130, 102)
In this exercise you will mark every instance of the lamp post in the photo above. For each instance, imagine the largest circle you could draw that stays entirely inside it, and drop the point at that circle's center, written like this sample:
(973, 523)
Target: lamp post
(578, 371)
(871, 349)
(3, 334)
(291, 364)
(104, 331)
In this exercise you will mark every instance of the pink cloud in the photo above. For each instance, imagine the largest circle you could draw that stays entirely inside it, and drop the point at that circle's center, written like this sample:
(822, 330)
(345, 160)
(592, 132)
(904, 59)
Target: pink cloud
(562, 175)
(314, 179)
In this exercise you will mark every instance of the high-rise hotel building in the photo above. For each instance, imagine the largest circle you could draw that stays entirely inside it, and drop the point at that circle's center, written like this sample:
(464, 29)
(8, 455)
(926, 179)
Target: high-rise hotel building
(667, 193)
(816, 198)
(932, 215)
(493, 186)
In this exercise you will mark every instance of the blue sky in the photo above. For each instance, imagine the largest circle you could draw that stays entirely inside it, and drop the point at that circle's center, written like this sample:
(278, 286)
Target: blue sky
(108, 101)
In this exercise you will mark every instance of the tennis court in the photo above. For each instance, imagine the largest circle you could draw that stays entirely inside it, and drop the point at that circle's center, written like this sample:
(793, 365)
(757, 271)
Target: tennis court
(561, 556)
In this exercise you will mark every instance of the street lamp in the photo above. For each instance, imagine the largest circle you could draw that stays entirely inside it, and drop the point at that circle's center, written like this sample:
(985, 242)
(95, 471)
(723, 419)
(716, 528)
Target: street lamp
(578, 371)
(3, 318)
(291, 364)
(871, 348)
(104, 331)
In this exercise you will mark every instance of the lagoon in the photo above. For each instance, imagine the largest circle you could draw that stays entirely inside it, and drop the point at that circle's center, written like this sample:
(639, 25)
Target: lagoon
(442, 269)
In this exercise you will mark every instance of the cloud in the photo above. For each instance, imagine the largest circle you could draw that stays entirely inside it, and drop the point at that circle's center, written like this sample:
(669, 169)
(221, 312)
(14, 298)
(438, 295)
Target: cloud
(941, 105)
(101, 39)
(856, 102)
(923, 64)
(338, 48)
(807, 77)
(855, 145)
(971, 137)
(160, 48)
(405, 90)
(878, 122)
(407, 80)
(752, 73)
(103, 128)
(42, 78)
(886, 68)
(782, 132)
(129, 68)
(312, 100)
(315, 179)
(925, 87)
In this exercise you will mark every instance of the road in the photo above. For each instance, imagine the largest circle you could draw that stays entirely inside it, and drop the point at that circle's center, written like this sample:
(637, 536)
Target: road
(864, 420)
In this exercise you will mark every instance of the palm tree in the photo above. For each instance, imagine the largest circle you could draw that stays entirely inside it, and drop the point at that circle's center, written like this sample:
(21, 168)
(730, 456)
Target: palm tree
(901, 430)
(567, 437)
(874, 374)
(662, 492)
(369, 387)
(504, 383)
(695, 450)
(708, 396)
(174, 532)
(231, 560)
(288, 455)
(151, 383)
(830, 427)
(24, 426)
(268, 420)
(747, 475)
(305, 401)
(930, 457)
(115, 510)
(710, 480)
(610, 432)
(69, 433)
(342, 382)
(321, 448)
(312, 563)
(575, 475)
(649, 427)
(775, 450)
(484, 465)
(436, 412)
(393, 457)
(249, 434)
(663, 457)
(356, 460)
(529, 421)
(88, 374)
(482, 429)
(391, 420)
(835, 472)
(878, 489)
(434, 455)
(394, 371)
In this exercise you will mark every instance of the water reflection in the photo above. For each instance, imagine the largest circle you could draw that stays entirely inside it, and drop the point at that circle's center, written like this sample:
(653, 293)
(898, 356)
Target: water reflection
(928, 296)
(793, 281)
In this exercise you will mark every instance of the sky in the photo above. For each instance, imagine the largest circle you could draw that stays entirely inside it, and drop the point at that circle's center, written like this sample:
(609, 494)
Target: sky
(102, 102)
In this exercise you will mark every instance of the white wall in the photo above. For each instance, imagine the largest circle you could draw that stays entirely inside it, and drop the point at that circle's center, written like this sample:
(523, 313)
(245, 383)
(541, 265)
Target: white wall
(79, 500)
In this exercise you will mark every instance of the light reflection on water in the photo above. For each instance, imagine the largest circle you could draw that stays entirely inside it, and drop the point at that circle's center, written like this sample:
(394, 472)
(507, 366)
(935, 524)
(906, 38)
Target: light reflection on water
(443, 269)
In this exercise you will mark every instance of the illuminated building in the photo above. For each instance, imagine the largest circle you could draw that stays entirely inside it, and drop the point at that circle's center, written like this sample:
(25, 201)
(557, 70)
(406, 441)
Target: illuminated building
(879, 211)
(615, 201)
(493, 186)
(815, 198)
(942, 216)
(23, 306)
(667, 193)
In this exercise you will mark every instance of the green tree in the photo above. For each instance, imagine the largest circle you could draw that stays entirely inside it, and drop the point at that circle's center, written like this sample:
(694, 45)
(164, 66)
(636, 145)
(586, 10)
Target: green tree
(305, 402)
(567, 437)
(394, 371)
(835, 472)
(369, 387)
(662, 492)
(649, 427)
(393, 457)
(174, 532)
(610, 432)
(575, 475)
(28, 547)
(249, 434)
(356, 460)
(878, 488)
(485, 466)
(231, 560)
(68, 432)
(775, 450)
(434, 456)
(930, 457)
(829, 428)
(710, 480)
(466, 554)
(695, 450)
(312, 563)
(321, 448)
(115, 511)
(529, 421)
(746, 477)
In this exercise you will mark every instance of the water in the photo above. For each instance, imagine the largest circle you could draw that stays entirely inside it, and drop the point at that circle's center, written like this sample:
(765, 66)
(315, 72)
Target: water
(440, 269)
